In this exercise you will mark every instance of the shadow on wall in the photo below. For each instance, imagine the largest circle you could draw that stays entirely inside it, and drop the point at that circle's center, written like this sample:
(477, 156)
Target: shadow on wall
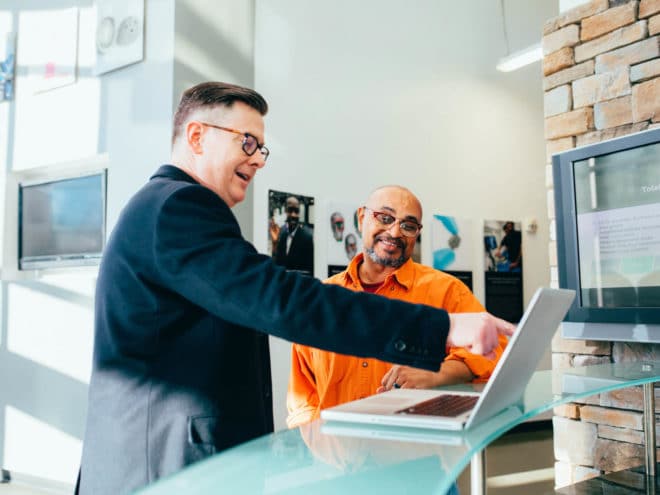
(44, 395)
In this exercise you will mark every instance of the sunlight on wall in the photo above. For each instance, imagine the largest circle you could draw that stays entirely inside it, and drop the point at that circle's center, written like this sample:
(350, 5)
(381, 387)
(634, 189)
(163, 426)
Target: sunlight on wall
(60, 124)
(64, 343)
(80, 280)
(5, 21)
(228, 24)
(196, 57)
(5, 27)
(25, 434)
(565, 5)
(4, 131)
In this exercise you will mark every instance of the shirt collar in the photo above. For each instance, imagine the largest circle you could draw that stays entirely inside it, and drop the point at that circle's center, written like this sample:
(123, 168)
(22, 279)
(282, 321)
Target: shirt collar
(173, 172)
(404, 275)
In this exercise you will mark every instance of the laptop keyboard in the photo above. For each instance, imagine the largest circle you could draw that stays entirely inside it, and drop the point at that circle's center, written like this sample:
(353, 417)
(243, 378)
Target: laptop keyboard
(442, 405)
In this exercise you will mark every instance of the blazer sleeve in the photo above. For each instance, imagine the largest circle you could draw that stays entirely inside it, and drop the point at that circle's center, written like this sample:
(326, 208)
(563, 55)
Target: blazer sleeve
(199, 253)
(464, 301)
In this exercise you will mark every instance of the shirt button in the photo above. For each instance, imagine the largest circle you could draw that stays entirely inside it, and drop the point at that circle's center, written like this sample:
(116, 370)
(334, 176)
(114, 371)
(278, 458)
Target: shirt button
(400, 345)
(364, 364)
(392, 288)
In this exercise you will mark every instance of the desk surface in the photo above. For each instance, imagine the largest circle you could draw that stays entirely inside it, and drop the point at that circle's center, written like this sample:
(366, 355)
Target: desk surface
(334, 458)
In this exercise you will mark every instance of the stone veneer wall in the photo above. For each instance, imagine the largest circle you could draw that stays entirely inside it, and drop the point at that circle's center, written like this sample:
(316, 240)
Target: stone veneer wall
(601, 71)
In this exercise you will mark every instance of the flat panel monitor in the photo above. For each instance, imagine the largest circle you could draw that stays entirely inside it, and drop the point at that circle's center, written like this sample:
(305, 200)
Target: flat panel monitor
(62, 222)
(607, 205)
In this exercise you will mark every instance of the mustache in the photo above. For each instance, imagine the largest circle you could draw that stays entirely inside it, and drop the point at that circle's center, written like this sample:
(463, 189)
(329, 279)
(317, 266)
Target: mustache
(399, 243)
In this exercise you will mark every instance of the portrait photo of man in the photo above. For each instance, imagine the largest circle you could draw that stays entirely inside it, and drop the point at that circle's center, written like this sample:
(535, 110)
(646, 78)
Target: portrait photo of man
(291, 231)
(343, 238)
(337, 226)
(350, 244)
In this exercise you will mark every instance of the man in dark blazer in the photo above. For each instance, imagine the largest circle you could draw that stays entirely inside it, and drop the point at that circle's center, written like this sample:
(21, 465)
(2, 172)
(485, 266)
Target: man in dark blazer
(294, 243)
(184, 305)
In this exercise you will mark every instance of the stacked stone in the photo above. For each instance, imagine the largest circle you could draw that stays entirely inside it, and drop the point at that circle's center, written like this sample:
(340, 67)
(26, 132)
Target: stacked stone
(601, 70)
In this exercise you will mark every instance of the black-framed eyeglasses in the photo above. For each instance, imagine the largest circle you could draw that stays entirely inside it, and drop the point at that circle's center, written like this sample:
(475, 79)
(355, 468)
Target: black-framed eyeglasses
(408, 228)
(250, 143)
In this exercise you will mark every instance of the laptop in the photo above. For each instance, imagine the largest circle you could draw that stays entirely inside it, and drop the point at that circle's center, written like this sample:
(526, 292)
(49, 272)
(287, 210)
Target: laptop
(420, 435)
(458, 410)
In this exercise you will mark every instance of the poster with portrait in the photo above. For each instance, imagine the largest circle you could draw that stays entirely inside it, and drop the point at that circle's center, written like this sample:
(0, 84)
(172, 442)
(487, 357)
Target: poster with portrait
(452, 246)
(48, 48)
(343, 235)
(291, 231)
(7, 64)
(503, 262)
(119, 34)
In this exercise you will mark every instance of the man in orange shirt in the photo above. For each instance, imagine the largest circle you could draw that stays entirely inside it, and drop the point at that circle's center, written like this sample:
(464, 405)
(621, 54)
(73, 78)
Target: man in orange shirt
(390, 225)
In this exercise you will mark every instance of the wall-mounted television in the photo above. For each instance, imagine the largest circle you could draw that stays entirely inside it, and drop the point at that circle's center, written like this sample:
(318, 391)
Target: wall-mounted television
(607, 205)
(61, 222)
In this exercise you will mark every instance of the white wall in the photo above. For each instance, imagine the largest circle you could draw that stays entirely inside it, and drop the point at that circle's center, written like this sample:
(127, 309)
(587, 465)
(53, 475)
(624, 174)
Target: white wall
(565, 5)
(214, 41)
(381, 91)
(47, 319)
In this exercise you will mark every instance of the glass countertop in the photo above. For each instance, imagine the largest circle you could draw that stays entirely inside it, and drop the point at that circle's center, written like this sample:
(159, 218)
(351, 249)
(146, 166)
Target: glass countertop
(331, 457)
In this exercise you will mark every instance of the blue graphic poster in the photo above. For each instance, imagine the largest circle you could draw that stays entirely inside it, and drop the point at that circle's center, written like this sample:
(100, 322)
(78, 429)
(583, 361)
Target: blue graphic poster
(452, 246)
(452, 243)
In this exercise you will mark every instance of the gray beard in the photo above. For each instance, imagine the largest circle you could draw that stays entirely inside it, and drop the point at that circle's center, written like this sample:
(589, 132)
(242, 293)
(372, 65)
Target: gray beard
(391, 262)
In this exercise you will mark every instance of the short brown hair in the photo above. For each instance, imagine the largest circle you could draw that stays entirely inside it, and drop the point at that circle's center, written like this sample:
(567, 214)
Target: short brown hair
(211, 94)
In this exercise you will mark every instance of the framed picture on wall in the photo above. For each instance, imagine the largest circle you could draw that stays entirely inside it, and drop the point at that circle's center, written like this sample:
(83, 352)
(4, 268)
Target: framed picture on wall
(48, 48)
(119, 34)
(344, 239)
(291, 230)
(503, 268)
(452, 246)
(7, 64)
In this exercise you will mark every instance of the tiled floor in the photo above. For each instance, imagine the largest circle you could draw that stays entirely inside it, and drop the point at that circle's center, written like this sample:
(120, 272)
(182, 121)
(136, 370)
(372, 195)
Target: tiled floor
(28, 485)
(15, 489)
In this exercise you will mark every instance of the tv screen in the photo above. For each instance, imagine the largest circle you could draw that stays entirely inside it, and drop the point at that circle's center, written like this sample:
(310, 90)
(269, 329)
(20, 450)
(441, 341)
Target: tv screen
(62, 222)
(607, 203)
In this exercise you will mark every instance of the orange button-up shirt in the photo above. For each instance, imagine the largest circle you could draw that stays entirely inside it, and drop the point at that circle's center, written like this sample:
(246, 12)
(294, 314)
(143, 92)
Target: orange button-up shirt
(321, 379)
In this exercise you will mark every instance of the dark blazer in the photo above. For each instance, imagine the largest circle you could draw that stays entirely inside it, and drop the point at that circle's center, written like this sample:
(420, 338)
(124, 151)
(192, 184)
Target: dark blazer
(301, 252)
(183, 305)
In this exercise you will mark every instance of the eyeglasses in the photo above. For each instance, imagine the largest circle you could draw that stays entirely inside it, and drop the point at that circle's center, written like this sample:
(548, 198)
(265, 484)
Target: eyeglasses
(250, 142)
(292, 209)
(409, 228)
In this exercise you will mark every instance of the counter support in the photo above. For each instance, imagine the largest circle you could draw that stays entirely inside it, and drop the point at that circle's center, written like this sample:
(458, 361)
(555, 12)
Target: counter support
(649, 428)
(478, 473)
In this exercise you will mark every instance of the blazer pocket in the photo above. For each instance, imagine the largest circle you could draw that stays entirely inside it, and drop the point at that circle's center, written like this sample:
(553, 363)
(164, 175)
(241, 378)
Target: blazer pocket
(202, 434)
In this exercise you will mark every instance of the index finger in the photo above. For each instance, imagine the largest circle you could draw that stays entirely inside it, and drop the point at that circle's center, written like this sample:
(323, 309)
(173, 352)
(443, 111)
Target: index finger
(504, 327)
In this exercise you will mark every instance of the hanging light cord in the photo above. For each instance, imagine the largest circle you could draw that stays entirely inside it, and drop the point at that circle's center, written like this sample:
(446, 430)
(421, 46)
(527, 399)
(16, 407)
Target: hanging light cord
(506, 36)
